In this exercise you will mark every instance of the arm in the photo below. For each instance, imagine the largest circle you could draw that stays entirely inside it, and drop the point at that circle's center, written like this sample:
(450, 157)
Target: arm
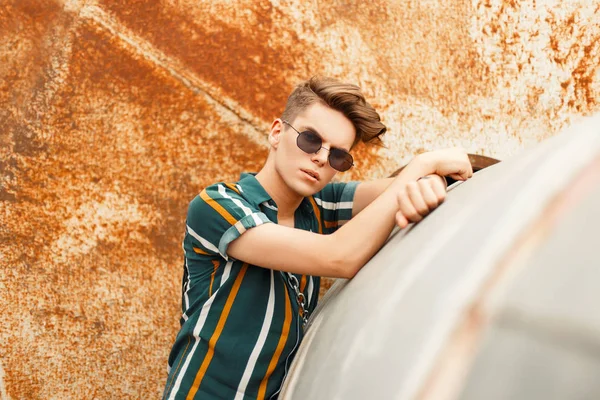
(366, 192)
(340, 254)
(344, 252)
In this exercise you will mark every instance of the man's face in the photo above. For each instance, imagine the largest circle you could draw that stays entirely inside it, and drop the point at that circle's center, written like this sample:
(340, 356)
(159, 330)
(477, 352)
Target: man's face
(307, 173)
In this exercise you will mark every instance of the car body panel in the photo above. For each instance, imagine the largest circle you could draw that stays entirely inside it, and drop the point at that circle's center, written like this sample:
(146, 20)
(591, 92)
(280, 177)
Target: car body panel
(381, 334)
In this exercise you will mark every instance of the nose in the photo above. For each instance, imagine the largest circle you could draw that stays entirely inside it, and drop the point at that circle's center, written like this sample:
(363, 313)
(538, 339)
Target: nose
(320, 157)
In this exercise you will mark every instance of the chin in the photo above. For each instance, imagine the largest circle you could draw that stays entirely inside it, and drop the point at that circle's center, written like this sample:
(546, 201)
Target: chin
(308, 190)
(302, 188)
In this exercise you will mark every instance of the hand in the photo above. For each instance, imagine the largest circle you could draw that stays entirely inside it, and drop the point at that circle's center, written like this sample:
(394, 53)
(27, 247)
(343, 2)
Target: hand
(452, 162)
(416, 199)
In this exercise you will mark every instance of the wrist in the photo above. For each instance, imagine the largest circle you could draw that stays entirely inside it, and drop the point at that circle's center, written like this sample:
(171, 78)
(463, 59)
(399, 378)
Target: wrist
(436, 176)
(426, 163)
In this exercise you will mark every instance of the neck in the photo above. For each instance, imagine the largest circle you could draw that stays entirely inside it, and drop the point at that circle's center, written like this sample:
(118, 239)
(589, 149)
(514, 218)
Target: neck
(286, 199)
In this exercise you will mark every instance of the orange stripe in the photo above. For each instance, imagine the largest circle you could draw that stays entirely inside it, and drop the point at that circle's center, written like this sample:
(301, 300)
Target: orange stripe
(212, 276)
(331, 224)
(218, 208)
(232, 187)
(217, 333)
(317, 212)
(302, 283)
(282, 339)
(178, 366)
(200, 251)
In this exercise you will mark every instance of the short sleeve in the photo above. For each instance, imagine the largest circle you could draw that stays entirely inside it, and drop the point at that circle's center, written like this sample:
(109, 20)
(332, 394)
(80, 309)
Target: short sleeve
(216, 217)
(336, 201)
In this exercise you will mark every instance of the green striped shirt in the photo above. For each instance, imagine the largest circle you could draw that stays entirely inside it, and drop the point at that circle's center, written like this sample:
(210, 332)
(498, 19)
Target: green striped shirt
(241, 324)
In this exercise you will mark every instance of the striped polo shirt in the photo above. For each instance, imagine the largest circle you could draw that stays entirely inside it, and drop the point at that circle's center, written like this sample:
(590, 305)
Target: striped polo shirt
(241, 324)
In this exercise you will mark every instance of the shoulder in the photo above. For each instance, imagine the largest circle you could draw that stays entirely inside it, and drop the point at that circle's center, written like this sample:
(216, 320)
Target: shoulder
(336, 192)
(222, 197)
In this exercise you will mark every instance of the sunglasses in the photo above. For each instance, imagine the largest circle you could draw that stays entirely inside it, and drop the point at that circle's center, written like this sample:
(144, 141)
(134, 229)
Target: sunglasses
(310, 142)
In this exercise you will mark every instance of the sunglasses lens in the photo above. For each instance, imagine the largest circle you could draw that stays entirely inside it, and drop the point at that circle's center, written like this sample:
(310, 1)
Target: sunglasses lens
(309, 142)
(340, 160)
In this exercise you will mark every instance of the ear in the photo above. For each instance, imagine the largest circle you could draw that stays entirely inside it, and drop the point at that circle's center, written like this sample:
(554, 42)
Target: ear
(275, 133)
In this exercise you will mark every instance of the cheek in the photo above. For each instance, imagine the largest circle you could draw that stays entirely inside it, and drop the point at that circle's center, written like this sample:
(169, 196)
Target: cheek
(290, 153)
(328, 176)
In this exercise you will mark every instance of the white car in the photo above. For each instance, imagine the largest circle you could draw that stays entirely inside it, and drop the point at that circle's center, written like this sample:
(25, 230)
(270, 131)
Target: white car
(495, 295)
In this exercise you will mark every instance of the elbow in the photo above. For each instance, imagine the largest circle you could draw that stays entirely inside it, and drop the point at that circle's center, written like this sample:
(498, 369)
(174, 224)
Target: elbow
(341, 261)
(341, 265)
(343, 270)
(349, 272)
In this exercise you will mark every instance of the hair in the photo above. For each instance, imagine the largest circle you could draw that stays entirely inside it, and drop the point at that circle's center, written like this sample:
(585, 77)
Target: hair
(343, 97)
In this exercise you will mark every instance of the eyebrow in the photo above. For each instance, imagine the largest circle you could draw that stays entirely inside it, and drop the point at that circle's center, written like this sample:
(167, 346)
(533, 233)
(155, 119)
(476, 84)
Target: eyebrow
(310, 128)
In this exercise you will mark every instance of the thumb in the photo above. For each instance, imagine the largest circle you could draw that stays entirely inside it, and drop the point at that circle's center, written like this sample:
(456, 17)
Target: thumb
(459, 176)
(401, 220)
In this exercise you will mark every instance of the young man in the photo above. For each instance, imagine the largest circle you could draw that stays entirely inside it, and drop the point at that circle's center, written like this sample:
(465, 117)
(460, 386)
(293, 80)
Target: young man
(255, 249)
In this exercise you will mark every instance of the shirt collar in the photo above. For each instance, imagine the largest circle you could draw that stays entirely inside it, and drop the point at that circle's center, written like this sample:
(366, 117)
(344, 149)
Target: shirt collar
(253, 190)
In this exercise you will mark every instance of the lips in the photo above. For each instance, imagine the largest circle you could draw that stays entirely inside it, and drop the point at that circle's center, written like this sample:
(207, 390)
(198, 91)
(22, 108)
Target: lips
(313, 174)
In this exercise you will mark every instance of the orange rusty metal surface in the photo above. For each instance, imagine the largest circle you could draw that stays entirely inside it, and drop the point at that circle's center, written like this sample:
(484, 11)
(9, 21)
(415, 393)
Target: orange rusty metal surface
(113, 115)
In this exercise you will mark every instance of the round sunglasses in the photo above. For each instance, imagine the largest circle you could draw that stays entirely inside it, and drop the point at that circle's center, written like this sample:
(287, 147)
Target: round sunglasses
(310, 142)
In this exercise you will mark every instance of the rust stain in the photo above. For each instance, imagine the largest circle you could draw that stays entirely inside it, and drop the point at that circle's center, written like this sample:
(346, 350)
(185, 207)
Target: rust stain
(95, 220)
(102, 148)
(550, 54)
(584, 75)
(235, 59)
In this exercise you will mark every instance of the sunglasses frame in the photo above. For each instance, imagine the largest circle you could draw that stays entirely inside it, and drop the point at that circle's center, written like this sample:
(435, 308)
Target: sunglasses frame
(321, 147)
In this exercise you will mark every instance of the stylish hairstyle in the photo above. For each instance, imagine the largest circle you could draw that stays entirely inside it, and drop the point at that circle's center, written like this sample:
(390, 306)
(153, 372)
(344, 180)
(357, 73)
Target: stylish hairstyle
(343, 97)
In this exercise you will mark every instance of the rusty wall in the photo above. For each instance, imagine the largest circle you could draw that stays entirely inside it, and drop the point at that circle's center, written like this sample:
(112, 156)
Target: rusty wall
(113, 115)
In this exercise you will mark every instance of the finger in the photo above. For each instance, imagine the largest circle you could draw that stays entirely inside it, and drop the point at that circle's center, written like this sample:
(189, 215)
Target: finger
(444, 182)
(469, 169)
(460, 175)
(440, 191)
(401, 220)
(406, 207)
(428, 193)
(416, 197)
(437, 179)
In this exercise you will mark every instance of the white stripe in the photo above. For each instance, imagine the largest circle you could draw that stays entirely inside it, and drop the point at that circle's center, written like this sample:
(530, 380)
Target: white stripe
(334, 206)
(287, 360)
(257, 219)
(202, 241)
(310, 289)
(246, 210)
(266, 204)
(196, 333)
(187, 284)
(237, 202)
(185, 294)
(262, 337)
(226, 272)
(240, 227)
(239, 188)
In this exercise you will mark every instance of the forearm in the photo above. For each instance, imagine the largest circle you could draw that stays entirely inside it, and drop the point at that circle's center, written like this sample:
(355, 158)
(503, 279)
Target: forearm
(361, 237)
(343, 253)
(368, 191)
